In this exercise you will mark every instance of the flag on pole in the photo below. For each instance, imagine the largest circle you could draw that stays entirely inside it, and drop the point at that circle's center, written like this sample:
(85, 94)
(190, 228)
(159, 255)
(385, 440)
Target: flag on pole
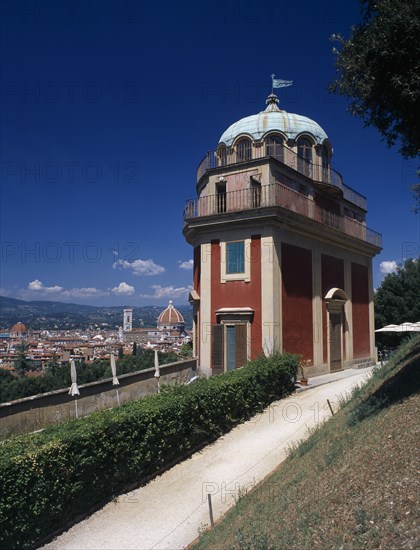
(278, 83)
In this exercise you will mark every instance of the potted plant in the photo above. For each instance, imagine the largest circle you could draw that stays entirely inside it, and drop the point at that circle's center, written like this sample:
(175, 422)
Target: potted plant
(303, 369)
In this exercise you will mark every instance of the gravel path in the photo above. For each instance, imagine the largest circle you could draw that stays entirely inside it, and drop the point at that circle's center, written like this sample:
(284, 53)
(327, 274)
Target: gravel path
(169, 511)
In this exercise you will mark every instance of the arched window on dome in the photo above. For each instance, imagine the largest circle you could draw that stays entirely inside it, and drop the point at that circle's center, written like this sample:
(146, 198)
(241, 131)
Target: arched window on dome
(325, 159)
(305, 156)
(243, 150)
(274, 147)
(222, 156)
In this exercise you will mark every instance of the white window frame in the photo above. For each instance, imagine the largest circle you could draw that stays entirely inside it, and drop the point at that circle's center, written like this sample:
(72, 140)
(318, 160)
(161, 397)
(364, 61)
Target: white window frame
(246, 275)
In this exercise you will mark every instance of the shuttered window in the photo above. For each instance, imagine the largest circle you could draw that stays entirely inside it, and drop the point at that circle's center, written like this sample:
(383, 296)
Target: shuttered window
(229, 342)
(241, 346)
(217, 349)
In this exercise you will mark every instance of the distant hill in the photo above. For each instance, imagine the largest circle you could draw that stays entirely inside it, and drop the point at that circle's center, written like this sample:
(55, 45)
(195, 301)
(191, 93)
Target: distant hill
(49, 315)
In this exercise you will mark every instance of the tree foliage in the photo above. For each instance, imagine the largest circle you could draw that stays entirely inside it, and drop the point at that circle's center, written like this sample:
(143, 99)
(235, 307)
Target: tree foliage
(379, 70)
(22, 365)
(398, 298)
(186, 350)
(415, 192)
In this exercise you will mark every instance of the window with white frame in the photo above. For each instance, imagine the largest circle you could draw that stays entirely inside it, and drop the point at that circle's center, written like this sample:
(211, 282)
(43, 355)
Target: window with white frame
(235, 260)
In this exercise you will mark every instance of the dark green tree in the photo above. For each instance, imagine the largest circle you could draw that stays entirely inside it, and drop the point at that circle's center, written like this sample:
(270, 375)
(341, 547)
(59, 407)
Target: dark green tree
(134, 348)
(120, 352)
(5, 376)
(397, 300)
(415, 191)
(53, 364)
(186, 350)
(379, 70)
(22, 364)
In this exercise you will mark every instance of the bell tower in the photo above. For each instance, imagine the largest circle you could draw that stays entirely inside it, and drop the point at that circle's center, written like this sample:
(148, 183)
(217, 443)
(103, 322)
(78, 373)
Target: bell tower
(128, 320)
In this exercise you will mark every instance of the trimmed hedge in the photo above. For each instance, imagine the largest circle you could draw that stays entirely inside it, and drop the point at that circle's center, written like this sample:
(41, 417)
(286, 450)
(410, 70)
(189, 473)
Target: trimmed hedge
(48, 479)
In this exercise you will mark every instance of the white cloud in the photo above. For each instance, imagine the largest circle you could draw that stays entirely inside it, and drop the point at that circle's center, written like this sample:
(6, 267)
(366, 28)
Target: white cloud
(38, 286)
(168, 292)
(389, 266)
(140, 267)
(123, 289)
(188, 264)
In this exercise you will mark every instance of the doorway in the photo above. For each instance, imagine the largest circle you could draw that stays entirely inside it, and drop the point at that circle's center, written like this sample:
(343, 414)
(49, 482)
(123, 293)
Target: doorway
(336, 328)
(335, 300)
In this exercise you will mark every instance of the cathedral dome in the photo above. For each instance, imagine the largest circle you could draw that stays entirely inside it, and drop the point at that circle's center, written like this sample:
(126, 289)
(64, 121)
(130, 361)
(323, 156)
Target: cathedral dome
(170, 317)
(19, 328)
(273, 119)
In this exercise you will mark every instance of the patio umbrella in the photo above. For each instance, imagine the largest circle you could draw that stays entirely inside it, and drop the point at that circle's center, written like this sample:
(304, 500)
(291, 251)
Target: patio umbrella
(74, 389)
(408, 327)
(388, 328)
(115, 381)
(157, 371)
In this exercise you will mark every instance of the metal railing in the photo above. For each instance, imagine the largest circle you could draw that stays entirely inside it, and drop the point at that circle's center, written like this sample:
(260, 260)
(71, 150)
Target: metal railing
(278, 195)
(316, 172)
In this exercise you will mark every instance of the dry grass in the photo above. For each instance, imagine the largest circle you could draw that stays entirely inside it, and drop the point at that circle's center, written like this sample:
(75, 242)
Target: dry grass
(353, 484)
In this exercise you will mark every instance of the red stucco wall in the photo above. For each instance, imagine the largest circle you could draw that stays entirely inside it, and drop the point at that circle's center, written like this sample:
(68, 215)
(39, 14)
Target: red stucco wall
(360, 301)
(296, 269)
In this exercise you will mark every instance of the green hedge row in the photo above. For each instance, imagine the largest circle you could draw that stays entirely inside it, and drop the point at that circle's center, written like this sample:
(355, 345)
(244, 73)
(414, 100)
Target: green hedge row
(48, 478)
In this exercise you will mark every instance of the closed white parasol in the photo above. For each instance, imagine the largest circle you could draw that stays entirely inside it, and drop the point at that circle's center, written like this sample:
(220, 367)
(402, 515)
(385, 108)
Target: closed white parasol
(74, 389)
(115, 381)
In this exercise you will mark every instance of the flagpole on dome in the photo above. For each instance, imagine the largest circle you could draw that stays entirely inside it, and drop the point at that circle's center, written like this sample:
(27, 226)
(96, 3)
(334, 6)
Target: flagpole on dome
(279, 83)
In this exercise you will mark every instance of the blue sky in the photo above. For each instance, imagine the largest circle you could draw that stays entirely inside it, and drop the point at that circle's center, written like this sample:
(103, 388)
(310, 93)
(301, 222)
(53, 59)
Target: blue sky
(107, 109)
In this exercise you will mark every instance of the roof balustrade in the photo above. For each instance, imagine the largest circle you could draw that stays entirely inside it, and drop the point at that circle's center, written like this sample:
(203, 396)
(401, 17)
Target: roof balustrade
(318, 173)
(277, 195)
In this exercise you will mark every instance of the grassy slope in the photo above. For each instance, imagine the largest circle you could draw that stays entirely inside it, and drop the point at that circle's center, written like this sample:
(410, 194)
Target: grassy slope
(353, 484)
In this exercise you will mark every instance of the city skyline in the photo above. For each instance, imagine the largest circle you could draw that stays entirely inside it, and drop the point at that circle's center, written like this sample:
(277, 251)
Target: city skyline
(107, 110)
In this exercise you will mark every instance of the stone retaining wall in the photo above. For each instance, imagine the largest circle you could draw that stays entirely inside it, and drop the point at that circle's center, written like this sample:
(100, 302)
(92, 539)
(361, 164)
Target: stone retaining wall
(35, 412)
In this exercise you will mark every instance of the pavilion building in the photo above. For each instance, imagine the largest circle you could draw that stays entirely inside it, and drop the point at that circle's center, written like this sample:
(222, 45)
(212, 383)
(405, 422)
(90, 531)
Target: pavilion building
(282, 253)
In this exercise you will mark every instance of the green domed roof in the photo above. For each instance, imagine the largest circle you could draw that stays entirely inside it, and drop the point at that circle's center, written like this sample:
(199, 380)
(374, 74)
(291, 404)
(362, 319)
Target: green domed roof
(273, 119)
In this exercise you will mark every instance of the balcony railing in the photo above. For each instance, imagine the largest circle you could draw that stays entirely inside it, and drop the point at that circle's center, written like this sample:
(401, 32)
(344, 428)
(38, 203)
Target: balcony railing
(278, 195)
(316, 172)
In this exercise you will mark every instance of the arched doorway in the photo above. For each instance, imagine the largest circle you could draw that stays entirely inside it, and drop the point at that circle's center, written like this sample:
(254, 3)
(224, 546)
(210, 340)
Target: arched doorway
(335, 300)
